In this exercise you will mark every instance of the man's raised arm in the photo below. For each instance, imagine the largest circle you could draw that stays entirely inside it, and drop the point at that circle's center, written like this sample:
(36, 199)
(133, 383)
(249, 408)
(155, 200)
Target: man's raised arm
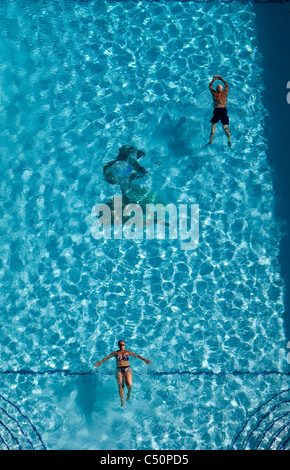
(211, 83)
(222, 80)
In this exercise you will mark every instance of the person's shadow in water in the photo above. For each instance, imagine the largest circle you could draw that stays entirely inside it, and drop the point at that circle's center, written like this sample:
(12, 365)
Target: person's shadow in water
(90, 395)
(124, 170)
(174, 134)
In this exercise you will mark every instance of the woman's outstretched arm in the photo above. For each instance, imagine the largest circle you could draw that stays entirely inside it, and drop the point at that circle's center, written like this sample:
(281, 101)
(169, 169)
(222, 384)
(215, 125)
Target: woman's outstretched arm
(131, 353)
(97, 364)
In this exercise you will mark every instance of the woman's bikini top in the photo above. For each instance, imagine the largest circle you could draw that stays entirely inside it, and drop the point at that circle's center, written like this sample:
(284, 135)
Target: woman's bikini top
(122, 358)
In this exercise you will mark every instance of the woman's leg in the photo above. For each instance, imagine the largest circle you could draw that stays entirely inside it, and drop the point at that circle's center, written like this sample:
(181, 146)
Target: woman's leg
(120, 380)
(128, 381)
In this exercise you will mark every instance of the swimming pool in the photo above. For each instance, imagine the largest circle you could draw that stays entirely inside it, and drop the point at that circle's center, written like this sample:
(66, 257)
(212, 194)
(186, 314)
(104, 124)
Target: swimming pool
(78, 80)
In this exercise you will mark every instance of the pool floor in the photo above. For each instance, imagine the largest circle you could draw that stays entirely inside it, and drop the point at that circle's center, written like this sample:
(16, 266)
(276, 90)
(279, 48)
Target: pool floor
(78, 81)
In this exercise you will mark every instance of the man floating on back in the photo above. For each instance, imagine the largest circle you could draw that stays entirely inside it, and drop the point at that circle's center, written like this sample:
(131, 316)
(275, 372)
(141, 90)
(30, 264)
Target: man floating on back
(220, 112)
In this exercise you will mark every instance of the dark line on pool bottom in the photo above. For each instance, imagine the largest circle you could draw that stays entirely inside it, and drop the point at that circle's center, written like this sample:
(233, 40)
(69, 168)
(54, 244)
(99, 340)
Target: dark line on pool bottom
(26, 418)
(68, 372)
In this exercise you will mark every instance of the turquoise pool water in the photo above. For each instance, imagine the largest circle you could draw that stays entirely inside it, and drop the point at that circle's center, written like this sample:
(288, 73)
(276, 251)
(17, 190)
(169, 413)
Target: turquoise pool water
(78, 80)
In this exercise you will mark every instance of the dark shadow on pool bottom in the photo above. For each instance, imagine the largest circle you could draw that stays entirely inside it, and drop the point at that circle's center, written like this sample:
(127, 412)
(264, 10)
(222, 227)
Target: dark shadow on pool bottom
(92, 394)
(272, 22)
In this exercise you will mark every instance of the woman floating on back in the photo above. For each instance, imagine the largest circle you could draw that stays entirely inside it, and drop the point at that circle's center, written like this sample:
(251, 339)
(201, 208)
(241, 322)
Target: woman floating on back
(123, 372)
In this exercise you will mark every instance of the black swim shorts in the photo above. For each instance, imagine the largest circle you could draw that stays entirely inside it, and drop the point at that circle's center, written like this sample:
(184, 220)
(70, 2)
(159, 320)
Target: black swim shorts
(220, 114)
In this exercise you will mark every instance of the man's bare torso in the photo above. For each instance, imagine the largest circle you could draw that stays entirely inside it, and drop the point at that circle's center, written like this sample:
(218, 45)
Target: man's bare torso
(220, 98)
